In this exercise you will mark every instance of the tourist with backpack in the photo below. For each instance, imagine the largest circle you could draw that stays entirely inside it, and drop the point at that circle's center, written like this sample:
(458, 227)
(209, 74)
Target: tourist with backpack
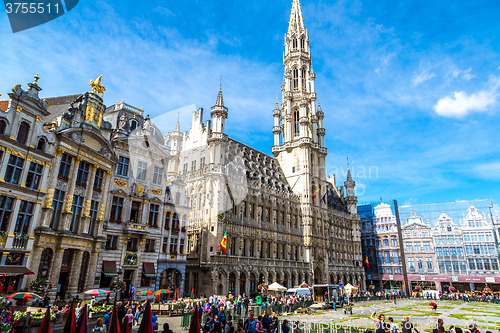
(229, 328)
(250, 324)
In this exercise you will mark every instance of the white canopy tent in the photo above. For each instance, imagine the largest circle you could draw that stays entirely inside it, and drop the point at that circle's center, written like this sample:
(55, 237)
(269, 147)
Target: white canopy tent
(350, 289)
(277, 287)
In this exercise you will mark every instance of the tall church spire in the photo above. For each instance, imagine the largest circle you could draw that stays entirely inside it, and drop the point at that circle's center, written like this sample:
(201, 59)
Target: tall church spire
(296, 21)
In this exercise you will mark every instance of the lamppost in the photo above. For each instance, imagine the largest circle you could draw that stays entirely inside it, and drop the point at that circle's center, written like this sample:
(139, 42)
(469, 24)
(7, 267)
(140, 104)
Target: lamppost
(120, 272)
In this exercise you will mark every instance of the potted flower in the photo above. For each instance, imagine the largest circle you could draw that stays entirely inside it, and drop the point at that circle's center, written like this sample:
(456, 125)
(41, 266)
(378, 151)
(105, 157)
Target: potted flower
(19, 319)
(183, 229)
(175, 229)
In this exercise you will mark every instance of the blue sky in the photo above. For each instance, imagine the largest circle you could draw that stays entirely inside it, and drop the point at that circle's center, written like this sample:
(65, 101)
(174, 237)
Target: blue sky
(408, 88)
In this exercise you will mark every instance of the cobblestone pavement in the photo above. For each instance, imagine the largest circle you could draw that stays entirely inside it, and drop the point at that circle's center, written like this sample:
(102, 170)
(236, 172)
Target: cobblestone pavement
(485, 315)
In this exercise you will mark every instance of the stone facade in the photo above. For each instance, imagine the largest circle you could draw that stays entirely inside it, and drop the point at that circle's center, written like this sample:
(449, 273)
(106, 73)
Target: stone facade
(278, 229)
(26, 153)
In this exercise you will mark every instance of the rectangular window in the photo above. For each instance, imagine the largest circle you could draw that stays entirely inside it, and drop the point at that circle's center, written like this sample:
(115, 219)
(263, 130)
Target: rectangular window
(132, 244)
(420, 263)
(397, 270)
(193, 166)
(481, 237)
(34, 176)
(453, 251)
(446, 252)
(142, 169)
(479, 264)
(460, 251)
(463, 266)
(487, 266)
(411, 263)
(448, 265)
(439, 252)
(451, 239)
(24, 217)
(428, 262)
(111, 242)
(181, 246)
(82, 174)
(380, 258)
(388, 270)
(472, 265)
(122, 167)
(491, 249)
(5, 212)
(150, 245)
(99, 177)
(395, 257)
(394, 241)
(116, 209)
(157, 175)
(173, 245)
(185, 168)
(165, 245)
(468, 248)
(476, 249)
(94, 209)
(455, 266)
(65, 166)
(409, 248)
(458, 240)
(489, 237)
(77, 212)
(494, 264)
(441, 266)
(57, 205)
(387, 257)
(473, 237)
(427, 247)
(175, 222)
(252, 248)
(417, 247)
(14, 169)
(484, 249)
(386, 242)
(202, 162)
(437, 240)
(154, 211)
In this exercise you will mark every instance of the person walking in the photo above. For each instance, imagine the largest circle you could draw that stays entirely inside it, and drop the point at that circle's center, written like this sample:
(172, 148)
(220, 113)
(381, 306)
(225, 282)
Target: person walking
(250, 324)
(229, 327)
(266, 322)
(407, 326)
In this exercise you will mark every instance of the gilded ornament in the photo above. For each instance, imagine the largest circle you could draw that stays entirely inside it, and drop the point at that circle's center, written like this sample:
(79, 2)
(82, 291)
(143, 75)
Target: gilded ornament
(97, 88)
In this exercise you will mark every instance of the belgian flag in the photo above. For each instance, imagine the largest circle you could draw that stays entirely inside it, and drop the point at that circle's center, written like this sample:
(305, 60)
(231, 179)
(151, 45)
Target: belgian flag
(367, 262)
(223, 243)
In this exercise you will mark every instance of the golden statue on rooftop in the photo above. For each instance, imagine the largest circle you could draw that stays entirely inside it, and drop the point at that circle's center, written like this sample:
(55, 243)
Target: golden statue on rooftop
(97, 88)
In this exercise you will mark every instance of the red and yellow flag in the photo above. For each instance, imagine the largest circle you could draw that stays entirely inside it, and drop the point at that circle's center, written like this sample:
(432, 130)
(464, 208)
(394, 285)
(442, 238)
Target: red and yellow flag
(315, 193)
(223, 243)
(367, 262)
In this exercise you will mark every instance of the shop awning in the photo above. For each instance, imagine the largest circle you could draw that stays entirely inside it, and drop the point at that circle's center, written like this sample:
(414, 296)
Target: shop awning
(149, 269)
(109, 268)
(14, 270)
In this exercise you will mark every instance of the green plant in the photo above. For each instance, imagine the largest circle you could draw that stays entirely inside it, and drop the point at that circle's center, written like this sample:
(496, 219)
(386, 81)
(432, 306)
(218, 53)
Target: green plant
(117, 286)
(41, 286)
(18, 315)
(40, 315)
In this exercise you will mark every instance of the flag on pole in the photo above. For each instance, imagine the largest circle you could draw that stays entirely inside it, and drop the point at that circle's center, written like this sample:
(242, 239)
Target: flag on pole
(192, 293)
(324, 197)
(147, 321)
(223, 243)
(70, 325)
(315, 193)
(367, 262)
(194, 327)
(45, 326)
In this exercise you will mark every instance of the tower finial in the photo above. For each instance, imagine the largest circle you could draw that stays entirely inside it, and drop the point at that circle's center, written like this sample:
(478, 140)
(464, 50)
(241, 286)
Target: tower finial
(347, 162)
(36, 78)
(220, 83)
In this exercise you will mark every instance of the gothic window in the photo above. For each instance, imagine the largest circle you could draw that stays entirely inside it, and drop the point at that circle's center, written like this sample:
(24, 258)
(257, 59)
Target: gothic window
(303, 78)
(133, 124)
(296, 128)
(22, 134)
(294, 43)
(302, 43)
(178, 198)
(295, 78)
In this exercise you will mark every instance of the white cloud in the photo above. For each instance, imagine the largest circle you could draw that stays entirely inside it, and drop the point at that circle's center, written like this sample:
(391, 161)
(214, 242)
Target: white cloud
(425, 75)
(464, 74)
(488, 170)
(462, 103)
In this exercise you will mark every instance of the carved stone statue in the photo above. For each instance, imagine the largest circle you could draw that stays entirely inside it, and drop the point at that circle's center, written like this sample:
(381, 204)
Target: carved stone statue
(147, 123)
(122, 124)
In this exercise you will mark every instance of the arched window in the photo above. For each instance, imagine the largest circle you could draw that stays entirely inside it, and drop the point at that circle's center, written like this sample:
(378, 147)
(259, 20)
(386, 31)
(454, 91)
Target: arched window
(41, 144)
(304, 79)
(3, 126)
(302, 43)
(295, 78)
(83, 271)
(45, 261)
(294, 43)
(22, 134)
(296, 128)
(177, 198)
(133, 124)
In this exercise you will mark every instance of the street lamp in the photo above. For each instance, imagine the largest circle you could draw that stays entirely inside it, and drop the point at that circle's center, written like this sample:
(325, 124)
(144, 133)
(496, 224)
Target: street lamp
(120, 272)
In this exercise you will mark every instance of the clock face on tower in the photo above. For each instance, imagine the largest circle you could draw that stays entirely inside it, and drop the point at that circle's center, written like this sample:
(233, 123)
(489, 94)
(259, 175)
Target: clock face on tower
(220, 215)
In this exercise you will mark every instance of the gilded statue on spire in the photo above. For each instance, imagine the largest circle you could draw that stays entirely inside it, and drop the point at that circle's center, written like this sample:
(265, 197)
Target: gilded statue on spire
(97, 88)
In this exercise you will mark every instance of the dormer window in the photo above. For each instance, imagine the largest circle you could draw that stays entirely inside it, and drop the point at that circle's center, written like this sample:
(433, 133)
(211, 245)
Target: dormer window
(133, 124)
(41, 144)
(3, 126)
(22, 134)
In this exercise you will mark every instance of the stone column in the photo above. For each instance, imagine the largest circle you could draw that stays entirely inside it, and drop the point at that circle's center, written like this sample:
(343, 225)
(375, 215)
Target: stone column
(45, 177)
(92, 270)
(34, 264)
(3, 166)
(54, 272)
(51, 184)
(69, 194)
(237, 284)
(76, 266)
(104, 199)
(84, 227)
